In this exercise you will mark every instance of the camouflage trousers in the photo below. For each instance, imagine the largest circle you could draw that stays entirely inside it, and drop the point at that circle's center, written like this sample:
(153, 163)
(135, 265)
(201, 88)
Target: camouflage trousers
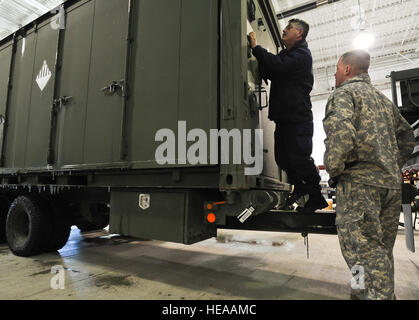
(367, 221)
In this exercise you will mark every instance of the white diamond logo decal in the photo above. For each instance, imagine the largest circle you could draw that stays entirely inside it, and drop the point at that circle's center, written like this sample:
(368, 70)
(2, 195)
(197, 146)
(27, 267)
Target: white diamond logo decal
(43, 76)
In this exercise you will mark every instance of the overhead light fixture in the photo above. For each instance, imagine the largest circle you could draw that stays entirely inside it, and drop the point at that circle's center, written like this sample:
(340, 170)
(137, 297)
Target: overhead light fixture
(363, 40)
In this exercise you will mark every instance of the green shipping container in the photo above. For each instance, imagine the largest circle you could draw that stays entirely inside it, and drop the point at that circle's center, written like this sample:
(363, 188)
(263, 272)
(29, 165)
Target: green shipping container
(83, 96)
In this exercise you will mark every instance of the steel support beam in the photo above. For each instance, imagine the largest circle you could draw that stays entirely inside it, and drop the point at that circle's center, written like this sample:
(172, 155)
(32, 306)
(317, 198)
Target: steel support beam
(304, 8)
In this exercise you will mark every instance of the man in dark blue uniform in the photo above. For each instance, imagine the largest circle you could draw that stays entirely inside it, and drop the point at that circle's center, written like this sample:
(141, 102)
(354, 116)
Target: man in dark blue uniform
(291, 75)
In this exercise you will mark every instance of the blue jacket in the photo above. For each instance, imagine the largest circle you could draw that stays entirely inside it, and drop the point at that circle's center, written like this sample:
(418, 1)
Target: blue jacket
(291, 75)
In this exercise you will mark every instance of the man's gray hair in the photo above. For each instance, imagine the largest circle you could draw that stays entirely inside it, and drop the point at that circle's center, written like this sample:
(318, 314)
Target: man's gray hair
(301, 25)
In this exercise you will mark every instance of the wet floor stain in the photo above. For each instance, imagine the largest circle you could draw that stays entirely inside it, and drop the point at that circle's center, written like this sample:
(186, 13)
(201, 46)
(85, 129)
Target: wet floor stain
(48, 263)
(96, 240)
(40, 273)
(108, 241)
(224, 238)
(230, 238)
(49, 271)
(124, 240)
(278, 243)
(106, 282)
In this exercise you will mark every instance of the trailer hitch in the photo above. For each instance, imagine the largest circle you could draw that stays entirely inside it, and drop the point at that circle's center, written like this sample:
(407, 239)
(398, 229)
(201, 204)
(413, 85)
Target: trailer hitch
(241, 205)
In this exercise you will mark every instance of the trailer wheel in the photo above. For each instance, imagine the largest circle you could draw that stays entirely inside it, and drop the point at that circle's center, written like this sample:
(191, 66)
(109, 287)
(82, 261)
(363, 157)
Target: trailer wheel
(97, 225)
(100, 212)
(4, 208)
(61, 225)
(27, 227)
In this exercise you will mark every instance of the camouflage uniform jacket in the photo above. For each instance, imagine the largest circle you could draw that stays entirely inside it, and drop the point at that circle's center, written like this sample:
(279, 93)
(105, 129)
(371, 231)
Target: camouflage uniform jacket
(368, 141)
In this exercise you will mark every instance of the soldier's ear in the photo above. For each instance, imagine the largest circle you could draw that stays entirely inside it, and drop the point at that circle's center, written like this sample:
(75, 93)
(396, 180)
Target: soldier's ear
(348, 70)
(300, 33)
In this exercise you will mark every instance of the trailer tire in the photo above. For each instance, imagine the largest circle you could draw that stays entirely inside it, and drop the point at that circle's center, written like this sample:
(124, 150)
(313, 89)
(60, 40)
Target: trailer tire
(90, 226)
(100, 213)
(27, 226)
(4, 208)
(61, 226)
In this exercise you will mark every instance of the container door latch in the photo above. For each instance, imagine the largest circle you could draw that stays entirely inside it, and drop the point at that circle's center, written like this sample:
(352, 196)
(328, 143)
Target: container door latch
(114, 87)
(61, 102)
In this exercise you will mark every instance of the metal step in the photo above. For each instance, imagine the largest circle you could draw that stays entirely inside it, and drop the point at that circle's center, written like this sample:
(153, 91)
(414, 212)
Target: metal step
(319, 222)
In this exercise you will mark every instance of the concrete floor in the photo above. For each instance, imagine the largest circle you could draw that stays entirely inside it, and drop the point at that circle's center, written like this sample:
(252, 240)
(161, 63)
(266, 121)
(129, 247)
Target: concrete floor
(236, 265)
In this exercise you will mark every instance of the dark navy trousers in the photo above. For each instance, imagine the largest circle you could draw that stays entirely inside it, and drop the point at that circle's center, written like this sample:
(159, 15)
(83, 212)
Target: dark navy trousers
(293, 149)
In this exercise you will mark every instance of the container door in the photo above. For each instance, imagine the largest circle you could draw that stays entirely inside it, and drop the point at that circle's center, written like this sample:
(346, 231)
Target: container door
(262, 91)
(20, 98)
(175, 69)
(105, 98)
(42, 93)
(74, 83)
(5, 63)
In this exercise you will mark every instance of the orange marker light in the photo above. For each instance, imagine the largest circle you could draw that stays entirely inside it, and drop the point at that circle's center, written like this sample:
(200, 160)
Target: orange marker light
(209, 206)
(211, 218)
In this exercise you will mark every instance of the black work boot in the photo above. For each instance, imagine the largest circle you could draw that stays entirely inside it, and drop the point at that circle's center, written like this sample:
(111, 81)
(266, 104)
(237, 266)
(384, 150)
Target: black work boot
(300, 190)
(293, 198)
(288, 205)
(315, 202)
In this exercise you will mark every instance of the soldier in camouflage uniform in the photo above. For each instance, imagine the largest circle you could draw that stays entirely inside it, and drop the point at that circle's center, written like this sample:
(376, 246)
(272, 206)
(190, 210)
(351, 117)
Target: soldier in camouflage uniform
(367, 143)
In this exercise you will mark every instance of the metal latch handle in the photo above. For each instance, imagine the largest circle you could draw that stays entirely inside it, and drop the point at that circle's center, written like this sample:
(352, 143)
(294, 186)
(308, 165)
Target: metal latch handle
(261, 90)
(114, 86)
(62, 101)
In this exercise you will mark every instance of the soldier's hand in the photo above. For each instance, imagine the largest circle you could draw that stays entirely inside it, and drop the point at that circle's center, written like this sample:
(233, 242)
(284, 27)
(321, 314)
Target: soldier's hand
(333, 182)
(252, 39)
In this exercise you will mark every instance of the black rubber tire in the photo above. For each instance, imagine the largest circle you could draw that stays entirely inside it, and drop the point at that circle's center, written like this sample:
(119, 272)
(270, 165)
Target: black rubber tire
(60, 225)
(4, 208)
(89, 226)
(27, 226)
(101, 214)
